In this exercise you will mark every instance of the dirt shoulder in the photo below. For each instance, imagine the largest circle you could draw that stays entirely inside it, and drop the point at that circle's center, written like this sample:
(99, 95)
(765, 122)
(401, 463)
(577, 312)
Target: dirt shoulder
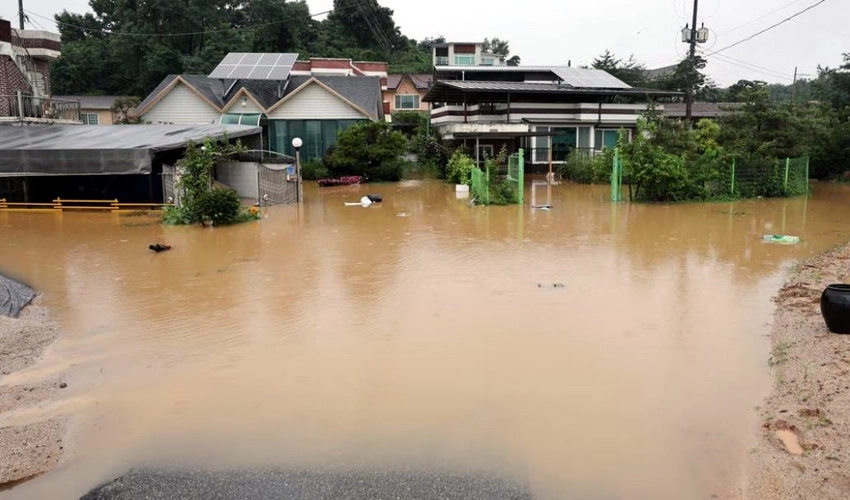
(27, 450)
(803, 451)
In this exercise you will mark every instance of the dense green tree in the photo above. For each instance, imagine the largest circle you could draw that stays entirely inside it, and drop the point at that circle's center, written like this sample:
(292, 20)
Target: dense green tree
(630, 71)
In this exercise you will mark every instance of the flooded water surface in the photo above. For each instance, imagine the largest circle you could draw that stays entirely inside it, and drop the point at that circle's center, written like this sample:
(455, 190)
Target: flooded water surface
(596, 350)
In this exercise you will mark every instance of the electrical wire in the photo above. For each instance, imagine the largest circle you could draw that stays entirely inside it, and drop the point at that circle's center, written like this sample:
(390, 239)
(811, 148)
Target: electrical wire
(761, 17)
(121, 33)
(747, 67)
(754, 67)
(739, 42)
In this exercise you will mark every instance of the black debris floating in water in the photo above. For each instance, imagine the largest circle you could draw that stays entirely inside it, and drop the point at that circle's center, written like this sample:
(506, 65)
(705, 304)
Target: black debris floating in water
(159, 247)
(554, 285)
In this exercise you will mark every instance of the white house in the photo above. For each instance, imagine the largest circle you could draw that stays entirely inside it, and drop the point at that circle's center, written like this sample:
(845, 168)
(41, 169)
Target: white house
(259, 89)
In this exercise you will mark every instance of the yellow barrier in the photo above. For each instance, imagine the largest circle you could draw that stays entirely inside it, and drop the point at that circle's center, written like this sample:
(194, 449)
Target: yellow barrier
(60, 204)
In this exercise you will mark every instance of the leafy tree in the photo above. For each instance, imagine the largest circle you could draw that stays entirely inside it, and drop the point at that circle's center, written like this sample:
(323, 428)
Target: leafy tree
(630, 71)
(372, 149)
(121, 109)
(514, 61)
(496, 46)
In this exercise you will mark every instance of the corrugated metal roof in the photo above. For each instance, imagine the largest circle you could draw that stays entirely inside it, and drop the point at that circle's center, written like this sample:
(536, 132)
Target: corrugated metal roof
(533, 87)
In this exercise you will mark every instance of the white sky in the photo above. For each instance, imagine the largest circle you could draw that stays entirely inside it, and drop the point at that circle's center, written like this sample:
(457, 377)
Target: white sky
(549, 32)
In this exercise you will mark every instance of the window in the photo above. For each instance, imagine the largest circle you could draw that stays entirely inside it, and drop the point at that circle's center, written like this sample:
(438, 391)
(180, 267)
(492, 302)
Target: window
(465, 60)
(485, 151)
(442, 61)
(605, 139)
(318, 136)
(563, 141)
(89, 118)
(487, 61)
(406, 101)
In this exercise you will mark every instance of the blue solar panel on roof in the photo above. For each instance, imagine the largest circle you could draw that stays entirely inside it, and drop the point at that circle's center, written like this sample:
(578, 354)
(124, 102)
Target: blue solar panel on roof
(254, 66)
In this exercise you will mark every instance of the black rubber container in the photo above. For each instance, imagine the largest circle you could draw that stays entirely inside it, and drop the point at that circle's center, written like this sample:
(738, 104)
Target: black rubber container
(835, 308)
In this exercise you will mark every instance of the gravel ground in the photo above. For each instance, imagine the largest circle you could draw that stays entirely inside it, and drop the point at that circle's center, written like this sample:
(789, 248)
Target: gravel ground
(32, 449)
(305, 485)
(804, 446)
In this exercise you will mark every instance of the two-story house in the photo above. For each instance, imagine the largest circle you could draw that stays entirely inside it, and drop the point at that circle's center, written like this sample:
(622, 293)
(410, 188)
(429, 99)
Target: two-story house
(549, 111)
(464, 54)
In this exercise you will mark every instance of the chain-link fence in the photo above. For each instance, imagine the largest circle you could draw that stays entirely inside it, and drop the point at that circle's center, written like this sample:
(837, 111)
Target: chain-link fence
(752, 178)
(500, 186)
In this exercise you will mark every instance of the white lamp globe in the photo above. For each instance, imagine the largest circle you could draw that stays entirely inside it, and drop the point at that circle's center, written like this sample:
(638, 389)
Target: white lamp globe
(296, 143)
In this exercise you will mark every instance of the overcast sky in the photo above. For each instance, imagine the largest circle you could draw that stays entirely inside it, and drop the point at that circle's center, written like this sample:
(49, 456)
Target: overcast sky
(549, 32)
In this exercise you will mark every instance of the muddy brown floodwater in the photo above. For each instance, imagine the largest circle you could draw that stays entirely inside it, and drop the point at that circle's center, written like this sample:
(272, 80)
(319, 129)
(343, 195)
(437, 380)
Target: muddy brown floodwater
(421, 331)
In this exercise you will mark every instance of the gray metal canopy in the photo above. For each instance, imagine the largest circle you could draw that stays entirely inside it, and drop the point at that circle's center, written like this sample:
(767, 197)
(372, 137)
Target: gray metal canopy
(99, 150)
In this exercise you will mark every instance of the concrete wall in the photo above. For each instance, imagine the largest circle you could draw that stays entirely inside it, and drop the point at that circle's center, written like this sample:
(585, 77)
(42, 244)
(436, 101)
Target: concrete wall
(241, 176)
(104, 117)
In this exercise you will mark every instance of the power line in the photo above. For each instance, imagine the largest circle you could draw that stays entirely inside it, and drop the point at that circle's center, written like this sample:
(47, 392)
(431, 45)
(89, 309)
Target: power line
(753, 67)
(769, 73)
(739, 42)
(761, 17)
(121, 33)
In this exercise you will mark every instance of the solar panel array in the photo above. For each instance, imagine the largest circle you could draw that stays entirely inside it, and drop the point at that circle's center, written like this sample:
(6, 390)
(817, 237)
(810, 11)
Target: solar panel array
(588, 78)
(253, 66)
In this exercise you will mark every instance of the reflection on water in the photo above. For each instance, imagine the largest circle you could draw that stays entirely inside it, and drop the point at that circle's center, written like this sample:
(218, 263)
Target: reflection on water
(328, 335)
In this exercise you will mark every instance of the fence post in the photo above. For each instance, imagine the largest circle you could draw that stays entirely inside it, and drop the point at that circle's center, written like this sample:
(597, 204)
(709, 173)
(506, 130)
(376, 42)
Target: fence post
(521, 175)
(807, 175)
(732, 191)
(615, 177)
(787, 167)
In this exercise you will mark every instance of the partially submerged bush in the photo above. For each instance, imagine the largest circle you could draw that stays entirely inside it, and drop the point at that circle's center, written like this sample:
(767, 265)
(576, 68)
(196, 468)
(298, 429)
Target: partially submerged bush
(371, 149)
(459, 170)
(585, 167)
(313, 170)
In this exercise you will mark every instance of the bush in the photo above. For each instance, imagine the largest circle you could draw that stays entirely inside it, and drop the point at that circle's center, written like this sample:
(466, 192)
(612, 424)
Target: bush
(371, 149)
(586, 167)
(219, 205)
(459, 169)
(313, 170)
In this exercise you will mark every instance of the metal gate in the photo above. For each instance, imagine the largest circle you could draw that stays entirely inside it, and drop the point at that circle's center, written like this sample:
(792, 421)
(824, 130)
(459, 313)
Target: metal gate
(171, 193)
(277, 184)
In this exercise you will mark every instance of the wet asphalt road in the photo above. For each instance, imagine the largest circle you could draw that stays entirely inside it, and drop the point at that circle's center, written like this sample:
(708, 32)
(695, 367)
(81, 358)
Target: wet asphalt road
(305, 485)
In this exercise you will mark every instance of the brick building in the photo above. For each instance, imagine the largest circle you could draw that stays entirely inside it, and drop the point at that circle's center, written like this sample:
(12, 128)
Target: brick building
(25, 57)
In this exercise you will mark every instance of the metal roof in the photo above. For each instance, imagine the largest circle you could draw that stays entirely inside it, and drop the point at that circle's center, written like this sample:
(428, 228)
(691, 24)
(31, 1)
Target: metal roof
(254, 66)
(575, 77)
(104, 150)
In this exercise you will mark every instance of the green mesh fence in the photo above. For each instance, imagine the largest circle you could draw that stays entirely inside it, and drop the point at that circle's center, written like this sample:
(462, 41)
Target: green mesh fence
(505, 186)
(516, 176)
(751, 178)
(480, 187)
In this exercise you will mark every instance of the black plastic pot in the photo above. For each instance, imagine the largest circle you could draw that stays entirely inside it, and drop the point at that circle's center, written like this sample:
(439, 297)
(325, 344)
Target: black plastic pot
(835, 308)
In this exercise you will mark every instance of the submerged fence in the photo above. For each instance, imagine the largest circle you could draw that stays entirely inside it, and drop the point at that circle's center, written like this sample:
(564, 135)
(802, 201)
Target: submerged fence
(500, 186)
(707, 179)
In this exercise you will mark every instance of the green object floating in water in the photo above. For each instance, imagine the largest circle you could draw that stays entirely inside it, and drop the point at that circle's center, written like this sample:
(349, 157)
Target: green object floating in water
(781, 239)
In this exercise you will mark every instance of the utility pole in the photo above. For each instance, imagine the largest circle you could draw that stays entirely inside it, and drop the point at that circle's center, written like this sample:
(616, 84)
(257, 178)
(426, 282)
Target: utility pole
(794, 87)
(689, 103)
(21, 15)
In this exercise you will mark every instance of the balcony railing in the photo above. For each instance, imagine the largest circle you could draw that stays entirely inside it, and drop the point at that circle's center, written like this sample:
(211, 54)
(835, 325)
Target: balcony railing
(442, 61)
(29, 108)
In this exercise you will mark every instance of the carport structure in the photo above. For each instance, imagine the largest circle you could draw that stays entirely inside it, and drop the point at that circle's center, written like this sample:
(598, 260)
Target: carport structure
(40, 163)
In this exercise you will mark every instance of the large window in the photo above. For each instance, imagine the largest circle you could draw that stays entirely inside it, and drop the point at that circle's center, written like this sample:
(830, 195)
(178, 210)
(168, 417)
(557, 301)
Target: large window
(465, 60)
(89, 118)
(562, 140)
(605, 139)
(407, 101)
(317, 136)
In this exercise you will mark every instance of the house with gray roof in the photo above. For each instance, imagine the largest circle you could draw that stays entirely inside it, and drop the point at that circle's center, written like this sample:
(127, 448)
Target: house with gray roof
(94, 109)
(261, 89)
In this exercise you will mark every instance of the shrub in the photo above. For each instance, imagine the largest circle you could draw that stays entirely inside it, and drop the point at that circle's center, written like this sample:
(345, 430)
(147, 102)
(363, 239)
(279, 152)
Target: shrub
(313, 170)
(459, 170)
(369, 148)
(219, 205)
(585, 167)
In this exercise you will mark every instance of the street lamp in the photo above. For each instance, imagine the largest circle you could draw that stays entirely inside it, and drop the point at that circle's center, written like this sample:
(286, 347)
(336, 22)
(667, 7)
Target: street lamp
(297, 143)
